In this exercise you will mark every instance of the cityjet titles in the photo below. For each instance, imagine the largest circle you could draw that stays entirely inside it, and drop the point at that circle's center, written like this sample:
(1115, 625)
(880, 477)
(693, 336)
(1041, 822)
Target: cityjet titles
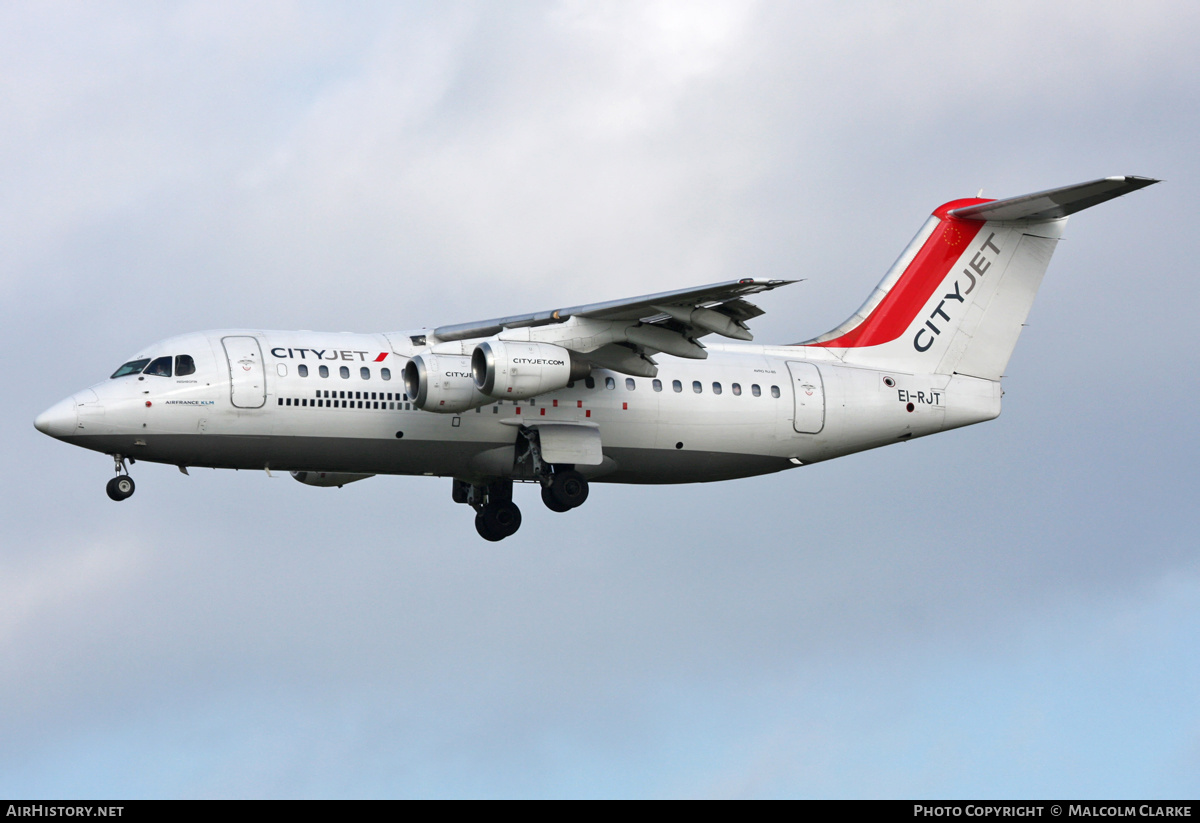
(979, 264)
(529, 361)
(326, 354)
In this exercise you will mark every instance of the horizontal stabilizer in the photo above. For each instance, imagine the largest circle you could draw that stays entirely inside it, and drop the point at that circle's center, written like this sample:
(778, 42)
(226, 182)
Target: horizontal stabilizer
(1055, 203)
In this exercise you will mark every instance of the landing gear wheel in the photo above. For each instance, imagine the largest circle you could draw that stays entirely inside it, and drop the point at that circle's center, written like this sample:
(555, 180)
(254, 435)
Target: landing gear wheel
(120, 487)
(569, 488)
(551, 502)
(497, 521)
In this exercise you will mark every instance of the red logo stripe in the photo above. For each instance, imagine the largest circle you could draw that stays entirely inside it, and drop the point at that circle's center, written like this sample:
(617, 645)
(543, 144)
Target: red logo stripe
(899, 307)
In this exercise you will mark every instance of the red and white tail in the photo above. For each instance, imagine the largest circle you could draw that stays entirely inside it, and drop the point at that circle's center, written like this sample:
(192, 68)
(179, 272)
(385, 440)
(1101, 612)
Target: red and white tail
(955, 300)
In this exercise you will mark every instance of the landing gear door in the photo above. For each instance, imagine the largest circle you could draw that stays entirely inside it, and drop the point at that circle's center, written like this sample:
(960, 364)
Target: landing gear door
(247, 378)
(809, 391)
(573, 443)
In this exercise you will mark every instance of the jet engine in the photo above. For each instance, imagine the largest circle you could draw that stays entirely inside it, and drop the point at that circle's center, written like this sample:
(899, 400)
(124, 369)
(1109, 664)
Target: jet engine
(338, 479)
(513, 371)
(442, 383)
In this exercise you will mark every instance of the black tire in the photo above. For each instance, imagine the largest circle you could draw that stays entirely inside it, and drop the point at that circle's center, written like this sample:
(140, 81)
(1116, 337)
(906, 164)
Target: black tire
(120, 487)
(551, 502)
(481, 526)
(570, 488)
(502, 519)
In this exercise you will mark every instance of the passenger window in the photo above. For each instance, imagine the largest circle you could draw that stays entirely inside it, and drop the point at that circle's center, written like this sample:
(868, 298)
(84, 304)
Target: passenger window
(774, 391)
(323, 371)
(364, 373)
(609, 383)
(755, 390)
(737, 389)
(344, 371)
(160, 367)
(657, 384)
(676, 385)
(132, 367)
(630, 384)
(697, 386)
(386, 374)
(590, 382)
(716, 388)
(302, 370)
(281, 369)
(184, 365)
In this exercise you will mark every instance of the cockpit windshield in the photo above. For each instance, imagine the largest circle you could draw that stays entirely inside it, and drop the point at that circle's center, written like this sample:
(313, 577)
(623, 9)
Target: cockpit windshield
(160, 367)
(132, 367)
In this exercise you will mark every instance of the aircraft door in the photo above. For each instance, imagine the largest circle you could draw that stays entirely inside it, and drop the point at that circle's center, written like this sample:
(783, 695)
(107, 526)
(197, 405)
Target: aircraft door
(247, 377)
(809, 391)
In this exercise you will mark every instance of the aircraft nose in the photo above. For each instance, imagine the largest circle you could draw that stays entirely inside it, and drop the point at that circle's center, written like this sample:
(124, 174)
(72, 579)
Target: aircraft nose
(59, 420)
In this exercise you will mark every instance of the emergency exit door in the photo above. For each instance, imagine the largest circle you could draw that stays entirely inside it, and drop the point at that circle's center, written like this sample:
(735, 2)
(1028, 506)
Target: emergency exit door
(809, 391)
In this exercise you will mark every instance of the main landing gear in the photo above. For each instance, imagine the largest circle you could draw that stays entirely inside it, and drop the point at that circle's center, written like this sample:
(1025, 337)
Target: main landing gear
(496, 516)
(120, 487)
(564, 490)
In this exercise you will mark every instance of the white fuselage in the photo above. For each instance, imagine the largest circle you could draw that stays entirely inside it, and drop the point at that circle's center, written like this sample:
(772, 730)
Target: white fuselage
(745, 410)
(620, 391)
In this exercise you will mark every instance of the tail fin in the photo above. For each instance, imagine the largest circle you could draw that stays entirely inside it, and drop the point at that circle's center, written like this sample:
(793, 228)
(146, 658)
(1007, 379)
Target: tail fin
(955, 300)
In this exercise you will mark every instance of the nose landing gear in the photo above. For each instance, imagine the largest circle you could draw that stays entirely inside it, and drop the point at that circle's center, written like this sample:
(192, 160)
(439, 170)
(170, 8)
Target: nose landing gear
(120, 487)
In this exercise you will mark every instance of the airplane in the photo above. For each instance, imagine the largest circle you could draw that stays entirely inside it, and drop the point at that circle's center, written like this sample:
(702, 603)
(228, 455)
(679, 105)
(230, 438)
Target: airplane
(615, 392)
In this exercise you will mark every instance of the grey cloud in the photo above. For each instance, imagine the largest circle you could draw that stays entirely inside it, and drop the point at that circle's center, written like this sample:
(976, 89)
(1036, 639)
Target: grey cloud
(228, 634)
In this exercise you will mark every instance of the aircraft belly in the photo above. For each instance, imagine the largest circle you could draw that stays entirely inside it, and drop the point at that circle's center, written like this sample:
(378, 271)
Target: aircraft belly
(415, 457)
(663, 466)
(331, 454)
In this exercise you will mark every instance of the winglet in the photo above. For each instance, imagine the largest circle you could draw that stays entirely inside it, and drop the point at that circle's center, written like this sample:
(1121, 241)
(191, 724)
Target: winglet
(1054, 203)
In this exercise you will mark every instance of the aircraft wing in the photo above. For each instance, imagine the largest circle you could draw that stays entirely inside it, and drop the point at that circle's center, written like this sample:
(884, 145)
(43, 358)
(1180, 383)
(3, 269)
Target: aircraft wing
(719, 308)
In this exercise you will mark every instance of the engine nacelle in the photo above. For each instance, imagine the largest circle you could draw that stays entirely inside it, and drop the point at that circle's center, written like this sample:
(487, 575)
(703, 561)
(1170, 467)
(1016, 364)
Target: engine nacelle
(513, 371)
(338, 479)
(442, 383)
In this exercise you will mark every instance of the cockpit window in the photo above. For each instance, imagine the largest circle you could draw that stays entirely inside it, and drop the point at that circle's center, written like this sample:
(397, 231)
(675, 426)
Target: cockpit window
(184, 365)
(132, 367)
(160, 367)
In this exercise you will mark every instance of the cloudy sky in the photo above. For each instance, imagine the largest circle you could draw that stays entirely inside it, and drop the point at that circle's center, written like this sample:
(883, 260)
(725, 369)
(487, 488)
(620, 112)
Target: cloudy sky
(1006, 610)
